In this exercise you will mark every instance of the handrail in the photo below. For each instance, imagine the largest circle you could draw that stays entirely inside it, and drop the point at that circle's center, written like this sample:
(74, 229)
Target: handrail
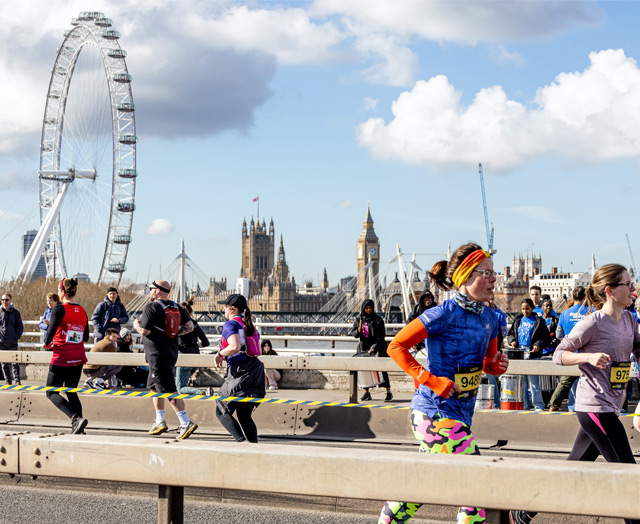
(516, 367)
(259, 323)
(332, 472)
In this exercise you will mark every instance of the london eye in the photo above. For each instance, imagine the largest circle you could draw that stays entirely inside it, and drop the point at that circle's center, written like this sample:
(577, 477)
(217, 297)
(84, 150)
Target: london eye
(87, 172)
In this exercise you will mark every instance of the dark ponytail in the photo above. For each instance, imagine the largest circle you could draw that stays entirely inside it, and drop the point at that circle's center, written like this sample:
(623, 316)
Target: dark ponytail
(249, 327)
(188, 306)
(442, 271)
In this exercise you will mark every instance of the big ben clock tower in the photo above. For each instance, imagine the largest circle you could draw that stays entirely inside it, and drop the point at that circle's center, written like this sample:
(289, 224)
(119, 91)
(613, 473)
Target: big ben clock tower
(368, 251)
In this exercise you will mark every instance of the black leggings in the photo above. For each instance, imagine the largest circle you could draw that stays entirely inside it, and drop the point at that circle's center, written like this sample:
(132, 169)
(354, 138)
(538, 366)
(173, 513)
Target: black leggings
(601, 434)
(247, 429)
(65, 376)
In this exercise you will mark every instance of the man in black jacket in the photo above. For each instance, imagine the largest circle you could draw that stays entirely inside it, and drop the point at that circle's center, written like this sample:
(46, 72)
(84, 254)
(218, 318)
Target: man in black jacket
(110, 313)
(11, 329)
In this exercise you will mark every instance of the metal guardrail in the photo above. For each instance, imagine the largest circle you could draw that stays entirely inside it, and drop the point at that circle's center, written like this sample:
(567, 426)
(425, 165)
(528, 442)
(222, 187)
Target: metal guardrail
(327, 471)
(347, 364)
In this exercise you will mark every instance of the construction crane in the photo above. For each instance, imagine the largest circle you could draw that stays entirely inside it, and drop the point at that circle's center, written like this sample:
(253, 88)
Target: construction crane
(633, 262)
(486, 214)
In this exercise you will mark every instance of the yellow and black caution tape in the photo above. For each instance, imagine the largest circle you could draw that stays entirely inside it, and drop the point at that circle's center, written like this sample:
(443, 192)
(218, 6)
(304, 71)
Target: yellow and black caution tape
(272, 400)
(151, 394)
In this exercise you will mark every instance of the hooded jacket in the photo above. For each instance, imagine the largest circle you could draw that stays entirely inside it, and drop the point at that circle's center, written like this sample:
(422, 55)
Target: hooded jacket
(370, 330)
(11, 327)
(104, 312)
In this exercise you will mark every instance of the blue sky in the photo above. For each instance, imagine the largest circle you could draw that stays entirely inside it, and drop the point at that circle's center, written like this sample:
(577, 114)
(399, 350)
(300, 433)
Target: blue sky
(321, 107)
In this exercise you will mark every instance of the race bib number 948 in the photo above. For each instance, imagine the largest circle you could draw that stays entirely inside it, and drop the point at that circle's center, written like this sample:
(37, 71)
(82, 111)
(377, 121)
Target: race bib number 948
(468, 380)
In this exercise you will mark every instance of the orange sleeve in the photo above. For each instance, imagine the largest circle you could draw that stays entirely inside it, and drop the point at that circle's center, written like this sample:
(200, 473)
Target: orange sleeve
(398, 350)
(490, 364)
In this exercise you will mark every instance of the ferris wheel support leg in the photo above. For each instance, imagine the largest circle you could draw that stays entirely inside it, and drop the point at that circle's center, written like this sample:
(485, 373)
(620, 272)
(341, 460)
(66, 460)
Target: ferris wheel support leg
(35, 252)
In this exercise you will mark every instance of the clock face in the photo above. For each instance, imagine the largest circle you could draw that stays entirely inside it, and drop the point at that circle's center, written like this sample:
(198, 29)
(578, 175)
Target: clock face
(360, 251)
(373, 251)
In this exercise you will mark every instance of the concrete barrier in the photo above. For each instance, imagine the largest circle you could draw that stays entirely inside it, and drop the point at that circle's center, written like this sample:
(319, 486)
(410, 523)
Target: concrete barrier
(320, 471)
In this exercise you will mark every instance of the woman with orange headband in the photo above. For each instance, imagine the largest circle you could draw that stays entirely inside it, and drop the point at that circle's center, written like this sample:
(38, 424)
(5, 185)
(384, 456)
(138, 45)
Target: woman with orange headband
(461, 338)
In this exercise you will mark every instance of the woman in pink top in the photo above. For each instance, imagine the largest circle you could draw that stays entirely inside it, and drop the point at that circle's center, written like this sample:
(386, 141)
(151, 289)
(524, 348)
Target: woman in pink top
(601, 345)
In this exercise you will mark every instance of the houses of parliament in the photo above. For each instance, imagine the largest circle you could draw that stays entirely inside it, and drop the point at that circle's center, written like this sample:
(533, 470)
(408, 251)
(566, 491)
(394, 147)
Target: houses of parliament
(265, 278)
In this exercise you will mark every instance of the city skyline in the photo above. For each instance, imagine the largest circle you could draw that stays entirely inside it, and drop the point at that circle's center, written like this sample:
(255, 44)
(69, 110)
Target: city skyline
(320, 107)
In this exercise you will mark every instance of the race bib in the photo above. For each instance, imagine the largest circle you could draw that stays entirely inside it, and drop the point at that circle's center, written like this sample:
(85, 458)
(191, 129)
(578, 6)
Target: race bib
(75, 333)
(468, 380)
(619, 374)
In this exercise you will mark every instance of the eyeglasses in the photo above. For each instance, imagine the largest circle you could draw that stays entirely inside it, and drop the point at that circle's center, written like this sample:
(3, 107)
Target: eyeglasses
(6, 300)
(487, 273)
(629, 284)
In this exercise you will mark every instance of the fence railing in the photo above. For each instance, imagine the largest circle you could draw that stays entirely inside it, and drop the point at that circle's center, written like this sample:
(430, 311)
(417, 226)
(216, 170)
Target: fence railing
(499, 483)
(318, 363)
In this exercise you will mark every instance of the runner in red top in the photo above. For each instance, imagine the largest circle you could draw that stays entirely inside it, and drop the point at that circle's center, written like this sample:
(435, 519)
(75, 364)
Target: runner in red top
(67, 332)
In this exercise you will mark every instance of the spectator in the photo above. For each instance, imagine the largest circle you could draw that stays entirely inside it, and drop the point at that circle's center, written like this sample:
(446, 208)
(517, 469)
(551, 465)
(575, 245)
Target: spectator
(552, 325)
(11, 329)
(110, 313)
(535, 294)
(134, 376)
(272, 376)
(426, 301)
(102, 373)
(529, 332)
(161, 322)
(538, 310)
(240, 347)
(369, 328)
(67, 332)
(576, 311)
(52, 300)
(188, 344)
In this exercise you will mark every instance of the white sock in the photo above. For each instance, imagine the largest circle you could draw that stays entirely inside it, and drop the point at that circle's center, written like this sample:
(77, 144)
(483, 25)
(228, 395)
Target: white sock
(183, 418)
(159, 415)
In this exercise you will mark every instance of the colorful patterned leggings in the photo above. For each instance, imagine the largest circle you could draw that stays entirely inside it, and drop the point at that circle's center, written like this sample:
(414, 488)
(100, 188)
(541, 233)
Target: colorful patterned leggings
(440, 435)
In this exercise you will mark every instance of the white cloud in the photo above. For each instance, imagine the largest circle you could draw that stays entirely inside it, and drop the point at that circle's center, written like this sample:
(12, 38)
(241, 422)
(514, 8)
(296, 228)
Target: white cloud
(225, 55)
(582, 116)
(343, 204)
(160, 226)
(465, 21)
(503, 56)
(383, 31)
(220, 53)
(370, 104)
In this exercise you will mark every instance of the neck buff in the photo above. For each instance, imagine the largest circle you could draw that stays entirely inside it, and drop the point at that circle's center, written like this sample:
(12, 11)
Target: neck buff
(463, 271)
(475, 307)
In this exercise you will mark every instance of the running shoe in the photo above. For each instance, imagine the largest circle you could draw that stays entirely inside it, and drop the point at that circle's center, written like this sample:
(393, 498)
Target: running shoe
(18, 383)
(158, 428)
(273, 388)
(389, 397)
(99, 384)
(519, 517)
(88, 383)
(185, 431)
(366, 396)
(77, 425)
